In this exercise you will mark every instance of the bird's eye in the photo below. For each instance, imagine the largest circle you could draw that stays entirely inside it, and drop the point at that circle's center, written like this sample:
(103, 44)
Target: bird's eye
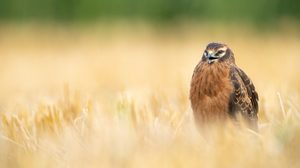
(205, 53)
(219, 52)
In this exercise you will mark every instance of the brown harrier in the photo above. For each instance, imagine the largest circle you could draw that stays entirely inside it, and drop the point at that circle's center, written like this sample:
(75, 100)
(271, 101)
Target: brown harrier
(221, 90)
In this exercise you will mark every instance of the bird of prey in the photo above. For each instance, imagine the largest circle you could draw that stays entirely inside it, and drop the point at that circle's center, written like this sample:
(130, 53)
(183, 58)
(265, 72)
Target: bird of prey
(220, 90)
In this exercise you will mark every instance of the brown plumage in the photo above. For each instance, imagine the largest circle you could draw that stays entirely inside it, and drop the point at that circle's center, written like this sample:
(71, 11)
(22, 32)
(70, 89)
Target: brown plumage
(220, 90)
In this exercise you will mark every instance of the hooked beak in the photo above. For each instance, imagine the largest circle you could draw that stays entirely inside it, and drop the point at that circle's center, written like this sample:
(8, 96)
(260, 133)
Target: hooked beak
(211, 58)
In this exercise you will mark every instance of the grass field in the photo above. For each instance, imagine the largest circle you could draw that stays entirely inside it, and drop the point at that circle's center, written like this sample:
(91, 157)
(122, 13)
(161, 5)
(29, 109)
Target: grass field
(117, 96)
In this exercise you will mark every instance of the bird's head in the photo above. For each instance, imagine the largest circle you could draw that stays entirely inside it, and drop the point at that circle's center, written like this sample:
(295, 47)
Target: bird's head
(215, 52)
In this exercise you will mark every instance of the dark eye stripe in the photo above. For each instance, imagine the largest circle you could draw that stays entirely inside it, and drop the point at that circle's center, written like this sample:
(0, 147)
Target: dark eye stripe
(220, 52)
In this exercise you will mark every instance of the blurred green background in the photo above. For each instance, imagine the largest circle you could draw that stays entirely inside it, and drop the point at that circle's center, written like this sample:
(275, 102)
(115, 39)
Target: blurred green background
(257, 11)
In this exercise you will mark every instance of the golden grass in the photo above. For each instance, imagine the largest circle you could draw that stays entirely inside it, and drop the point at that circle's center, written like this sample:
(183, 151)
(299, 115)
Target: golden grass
(117, 96)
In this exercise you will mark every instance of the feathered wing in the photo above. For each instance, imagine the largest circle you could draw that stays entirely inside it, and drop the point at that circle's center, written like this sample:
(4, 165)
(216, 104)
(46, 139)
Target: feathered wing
(244, 97)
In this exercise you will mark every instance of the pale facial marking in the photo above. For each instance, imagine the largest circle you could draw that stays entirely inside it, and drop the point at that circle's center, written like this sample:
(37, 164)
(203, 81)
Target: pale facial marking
(210, 52)
(223, 48)
(214, 54)
(220, 52)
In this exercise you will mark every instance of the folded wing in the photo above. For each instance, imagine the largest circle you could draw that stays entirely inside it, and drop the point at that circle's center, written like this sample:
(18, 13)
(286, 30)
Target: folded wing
(244, 97)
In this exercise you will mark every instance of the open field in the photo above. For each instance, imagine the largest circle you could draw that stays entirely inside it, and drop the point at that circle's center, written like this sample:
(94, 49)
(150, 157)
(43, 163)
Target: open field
(117, 96)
